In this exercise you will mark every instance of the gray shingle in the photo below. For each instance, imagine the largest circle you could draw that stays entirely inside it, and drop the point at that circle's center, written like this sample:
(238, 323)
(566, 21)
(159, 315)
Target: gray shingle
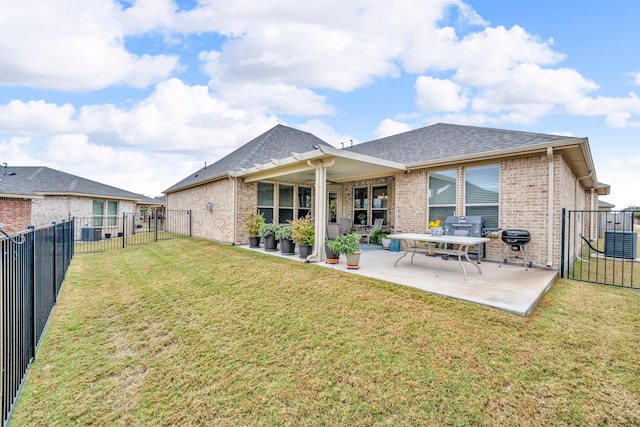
(41, 179)
(277, 143)
(442, 141)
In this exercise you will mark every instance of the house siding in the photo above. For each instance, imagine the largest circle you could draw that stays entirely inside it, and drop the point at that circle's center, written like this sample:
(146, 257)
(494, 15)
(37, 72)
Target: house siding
(15, 214)
(216, 224)
(58, 208)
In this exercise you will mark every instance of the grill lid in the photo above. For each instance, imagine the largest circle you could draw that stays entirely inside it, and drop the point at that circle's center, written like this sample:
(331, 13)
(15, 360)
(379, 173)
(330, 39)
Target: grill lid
(516, 236)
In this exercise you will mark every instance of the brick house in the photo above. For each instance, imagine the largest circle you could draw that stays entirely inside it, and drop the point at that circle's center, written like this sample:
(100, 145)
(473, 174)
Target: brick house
(38, 196)
(515, 180)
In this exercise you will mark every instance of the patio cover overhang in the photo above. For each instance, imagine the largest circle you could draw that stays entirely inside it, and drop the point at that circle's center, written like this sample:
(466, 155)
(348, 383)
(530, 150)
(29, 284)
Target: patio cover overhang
(318, 167)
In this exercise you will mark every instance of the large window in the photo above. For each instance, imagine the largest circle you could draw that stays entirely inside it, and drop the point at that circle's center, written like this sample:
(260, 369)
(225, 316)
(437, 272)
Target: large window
(304, 201)
(98, 213)
(112, 213)
(442, 194)
(482, 193)
(360, 204)
(266, 200)
(379, 202)
(289, 202)
(285, 205)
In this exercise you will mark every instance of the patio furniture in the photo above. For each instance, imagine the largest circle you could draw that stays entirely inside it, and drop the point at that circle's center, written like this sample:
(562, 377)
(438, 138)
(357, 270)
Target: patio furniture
(459, 249)
(365, 231)
(345, 225)
(333, 231)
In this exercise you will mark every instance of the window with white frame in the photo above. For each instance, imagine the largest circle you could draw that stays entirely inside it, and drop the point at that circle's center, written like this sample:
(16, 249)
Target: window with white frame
(360, 204)
(289, 202)
(98, 213)
(442, 194)
(379, 203)
(285, 203)
(304, 201)
(482, 193)
(266, 200)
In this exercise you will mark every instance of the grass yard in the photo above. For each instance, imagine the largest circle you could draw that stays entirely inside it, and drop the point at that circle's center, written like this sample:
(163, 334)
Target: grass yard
(189, 332)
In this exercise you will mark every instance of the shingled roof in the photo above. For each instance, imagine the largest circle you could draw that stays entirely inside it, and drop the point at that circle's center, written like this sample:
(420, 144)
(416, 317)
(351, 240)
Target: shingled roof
(277, 143)
(444, 141)
(42, 180)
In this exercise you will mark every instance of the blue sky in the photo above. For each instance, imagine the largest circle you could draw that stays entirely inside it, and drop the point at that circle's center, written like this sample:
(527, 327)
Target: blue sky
(139, 94)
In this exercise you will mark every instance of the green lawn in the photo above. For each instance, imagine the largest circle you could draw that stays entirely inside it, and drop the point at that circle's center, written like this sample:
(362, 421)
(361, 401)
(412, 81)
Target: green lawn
(190, 332)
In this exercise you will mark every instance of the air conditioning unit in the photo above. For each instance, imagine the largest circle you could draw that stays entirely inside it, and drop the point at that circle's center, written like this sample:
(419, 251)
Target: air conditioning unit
(621, 244)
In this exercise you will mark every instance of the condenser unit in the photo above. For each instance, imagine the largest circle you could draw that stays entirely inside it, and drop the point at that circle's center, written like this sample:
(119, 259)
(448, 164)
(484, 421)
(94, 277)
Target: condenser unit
(621, 244)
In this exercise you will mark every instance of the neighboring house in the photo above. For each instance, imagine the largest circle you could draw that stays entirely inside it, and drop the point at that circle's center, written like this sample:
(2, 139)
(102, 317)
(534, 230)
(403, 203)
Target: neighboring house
(43, 195)
(515, 180)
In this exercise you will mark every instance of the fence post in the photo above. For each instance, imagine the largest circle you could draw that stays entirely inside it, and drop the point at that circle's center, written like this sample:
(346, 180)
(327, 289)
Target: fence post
(124, 227)
(562, 241)
(32, 268)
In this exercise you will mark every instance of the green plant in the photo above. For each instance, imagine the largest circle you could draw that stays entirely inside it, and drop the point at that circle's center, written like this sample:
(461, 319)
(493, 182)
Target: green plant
(378, 235)
(268, 229)
(362, 216)
(253, 222)
(302, 231)
(283, 233)
(347, 244)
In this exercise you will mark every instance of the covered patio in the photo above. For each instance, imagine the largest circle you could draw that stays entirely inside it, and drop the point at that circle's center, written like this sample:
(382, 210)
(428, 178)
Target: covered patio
(509, 287)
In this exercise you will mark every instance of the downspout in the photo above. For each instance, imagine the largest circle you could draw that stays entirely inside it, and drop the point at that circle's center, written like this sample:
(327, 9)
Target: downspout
(594, 208)
(550, 215)
(320, 209)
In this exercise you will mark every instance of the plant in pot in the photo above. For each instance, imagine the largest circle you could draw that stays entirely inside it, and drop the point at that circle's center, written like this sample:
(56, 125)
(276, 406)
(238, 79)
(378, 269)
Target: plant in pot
(252, 223)
(351, 248)
(303, 233)
(332, 249)
(268, 232)
(287, 245)
(378, 235)
(363, 218)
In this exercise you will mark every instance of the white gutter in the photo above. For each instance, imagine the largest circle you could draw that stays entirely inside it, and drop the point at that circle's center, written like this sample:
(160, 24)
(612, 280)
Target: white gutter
(320, 209)
(550, 209)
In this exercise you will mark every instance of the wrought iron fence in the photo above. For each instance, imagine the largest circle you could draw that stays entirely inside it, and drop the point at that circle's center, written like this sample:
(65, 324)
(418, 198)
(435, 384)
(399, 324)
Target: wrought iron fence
(93, 235)
(34, 263)
(601, 247)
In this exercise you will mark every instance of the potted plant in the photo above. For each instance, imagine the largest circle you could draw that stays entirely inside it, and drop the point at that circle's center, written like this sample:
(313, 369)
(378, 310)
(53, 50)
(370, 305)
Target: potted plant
(268, 231)
(287, 245)
(363, 218)
(351, 248)
(252, 223)
(303, 233)
(332, 248)
(378, 235)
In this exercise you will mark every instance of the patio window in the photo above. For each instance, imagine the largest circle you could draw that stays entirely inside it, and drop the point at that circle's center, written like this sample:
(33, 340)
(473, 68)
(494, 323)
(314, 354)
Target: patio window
(360, 204)
(304, 201)
(285, 203)
(266, 200)
(482, 193)
(112, 213)
(379, 202)
(442, 194)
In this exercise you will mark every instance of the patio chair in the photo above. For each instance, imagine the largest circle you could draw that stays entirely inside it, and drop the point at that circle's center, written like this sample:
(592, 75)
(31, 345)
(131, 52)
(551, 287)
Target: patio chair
(367, 232)
(345, 225)
(333, 231)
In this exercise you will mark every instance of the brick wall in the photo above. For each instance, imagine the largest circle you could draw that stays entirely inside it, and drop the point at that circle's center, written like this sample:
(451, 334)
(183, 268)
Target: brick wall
(15, 214)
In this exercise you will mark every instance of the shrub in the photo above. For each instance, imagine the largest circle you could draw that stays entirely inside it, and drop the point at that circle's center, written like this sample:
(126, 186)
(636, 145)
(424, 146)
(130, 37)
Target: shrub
(302, 231)
(268, 229)
(283, 233)
(253, 222)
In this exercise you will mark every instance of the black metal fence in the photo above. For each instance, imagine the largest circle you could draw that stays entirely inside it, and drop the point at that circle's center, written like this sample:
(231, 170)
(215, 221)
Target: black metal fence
(34, 263)
(601, 247)
(93, 235)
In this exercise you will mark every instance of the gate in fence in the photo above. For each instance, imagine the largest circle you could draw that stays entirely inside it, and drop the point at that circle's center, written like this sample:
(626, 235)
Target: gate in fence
(34, 263)
(97, 235)
(601, 247)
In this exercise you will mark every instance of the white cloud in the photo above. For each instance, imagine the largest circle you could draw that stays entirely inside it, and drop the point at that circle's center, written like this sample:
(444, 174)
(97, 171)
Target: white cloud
(440, 95)
(36, 117)
(70, 45)
(390, 127)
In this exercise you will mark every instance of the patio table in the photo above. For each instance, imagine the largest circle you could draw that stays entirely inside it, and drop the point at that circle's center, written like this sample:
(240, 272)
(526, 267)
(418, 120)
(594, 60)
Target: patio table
(460, 246)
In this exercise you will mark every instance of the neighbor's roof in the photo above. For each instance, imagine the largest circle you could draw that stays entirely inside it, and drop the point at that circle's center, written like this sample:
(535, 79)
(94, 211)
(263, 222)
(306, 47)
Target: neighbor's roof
(277, 143)
(9, 191)
(447, 141)
(42, 180)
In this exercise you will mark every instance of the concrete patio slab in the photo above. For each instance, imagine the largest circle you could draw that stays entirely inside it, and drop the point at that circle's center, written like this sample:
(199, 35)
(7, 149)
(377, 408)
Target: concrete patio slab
(509, 287)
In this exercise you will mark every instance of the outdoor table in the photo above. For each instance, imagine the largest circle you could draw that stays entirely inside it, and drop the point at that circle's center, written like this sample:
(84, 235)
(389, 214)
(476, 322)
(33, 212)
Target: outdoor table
(460, 246)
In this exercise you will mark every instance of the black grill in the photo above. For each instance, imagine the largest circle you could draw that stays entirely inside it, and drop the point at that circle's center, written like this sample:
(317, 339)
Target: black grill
(516, 241)
(516, 237)
(469, 226)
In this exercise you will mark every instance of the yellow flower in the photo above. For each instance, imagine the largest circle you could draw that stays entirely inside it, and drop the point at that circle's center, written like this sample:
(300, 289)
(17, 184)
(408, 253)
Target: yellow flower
(434, 224)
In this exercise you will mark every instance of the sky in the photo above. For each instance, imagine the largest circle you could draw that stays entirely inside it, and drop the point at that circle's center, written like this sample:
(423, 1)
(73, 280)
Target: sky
(139, 94)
